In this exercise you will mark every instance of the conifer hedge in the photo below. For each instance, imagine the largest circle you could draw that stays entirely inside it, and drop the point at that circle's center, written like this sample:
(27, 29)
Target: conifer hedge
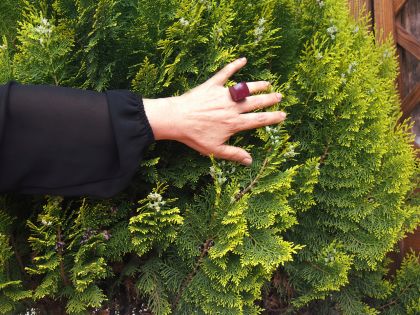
(305, 230)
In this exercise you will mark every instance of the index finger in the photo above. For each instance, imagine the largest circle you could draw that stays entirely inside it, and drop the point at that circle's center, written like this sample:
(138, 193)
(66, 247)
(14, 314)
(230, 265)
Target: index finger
(229, 70)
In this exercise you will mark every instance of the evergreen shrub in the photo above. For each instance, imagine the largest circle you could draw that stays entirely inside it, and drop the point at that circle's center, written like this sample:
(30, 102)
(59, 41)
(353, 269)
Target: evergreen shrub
(305, 229)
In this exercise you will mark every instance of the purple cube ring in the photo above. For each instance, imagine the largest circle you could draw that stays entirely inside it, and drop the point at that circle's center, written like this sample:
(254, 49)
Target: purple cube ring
(239, 91)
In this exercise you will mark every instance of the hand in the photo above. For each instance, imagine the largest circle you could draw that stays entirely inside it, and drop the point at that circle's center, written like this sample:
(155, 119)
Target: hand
(205, 117)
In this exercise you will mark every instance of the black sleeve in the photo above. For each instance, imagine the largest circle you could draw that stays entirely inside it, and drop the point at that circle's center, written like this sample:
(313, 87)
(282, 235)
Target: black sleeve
(70, 142)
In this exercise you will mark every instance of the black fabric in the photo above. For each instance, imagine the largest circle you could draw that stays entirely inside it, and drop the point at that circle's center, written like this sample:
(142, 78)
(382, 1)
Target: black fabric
(70, 142)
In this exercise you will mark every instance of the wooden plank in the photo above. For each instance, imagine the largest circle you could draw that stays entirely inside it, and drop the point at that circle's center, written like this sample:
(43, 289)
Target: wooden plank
(400, 78)
(406, 16)
(411, 101)
(398, 4)
(357, 7)
(410, 66)
(384, 19)
(410, 242)
(407, 41)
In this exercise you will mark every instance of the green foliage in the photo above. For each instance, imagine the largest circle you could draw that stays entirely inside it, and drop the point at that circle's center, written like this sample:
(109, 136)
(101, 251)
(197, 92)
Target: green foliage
(404, 298)
(329, 193)
(11, 291)
(6, 72)
(43, 52)
(155, 225)
(10, 11)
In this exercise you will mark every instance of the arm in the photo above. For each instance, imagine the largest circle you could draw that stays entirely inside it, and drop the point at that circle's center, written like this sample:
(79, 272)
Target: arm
(58, 140)
(72, 142)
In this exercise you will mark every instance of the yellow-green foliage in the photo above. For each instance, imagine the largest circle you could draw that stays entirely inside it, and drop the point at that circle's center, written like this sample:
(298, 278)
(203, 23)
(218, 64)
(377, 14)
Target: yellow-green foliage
(327, 197)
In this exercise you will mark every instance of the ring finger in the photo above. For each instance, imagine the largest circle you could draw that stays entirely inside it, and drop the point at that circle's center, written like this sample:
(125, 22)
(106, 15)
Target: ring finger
(258, 86)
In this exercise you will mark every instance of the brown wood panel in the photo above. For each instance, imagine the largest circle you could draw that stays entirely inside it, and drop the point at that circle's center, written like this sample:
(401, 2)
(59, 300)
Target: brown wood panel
(410, 242)
(411, 101)
(410, 14)
(384, 19)
(358, 7)
(398, 4)
(407, 41)
(409, 19)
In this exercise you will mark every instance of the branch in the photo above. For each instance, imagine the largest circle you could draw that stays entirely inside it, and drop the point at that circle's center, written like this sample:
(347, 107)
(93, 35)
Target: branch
(394, 301)
(325, 154)
(254, 181)
(17, 255)
(60, 255)
(207, 243)
(191, 275)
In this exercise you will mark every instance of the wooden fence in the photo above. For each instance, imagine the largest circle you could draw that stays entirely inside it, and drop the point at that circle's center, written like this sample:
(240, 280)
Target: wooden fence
(401, 20)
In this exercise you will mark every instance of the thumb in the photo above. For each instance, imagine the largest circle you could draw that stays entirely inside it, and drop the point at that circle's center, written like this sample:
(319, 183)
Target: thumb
(228, 152)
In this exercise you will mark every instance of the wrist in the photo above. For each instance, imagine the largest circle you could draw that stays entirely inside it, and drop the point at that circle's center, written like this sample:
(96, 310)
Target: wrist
(161, 114)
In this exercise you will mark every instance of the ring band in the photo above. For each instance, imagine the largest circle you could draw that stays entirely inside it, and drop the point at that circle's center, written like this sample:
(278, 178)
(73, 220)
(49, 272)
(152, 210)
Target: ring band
(239, 91)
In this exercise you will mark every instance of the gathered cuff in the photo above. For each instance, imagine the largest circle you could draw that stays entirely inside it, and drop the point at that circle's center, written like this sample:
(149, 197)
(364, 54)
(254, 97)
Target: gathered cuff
(132, 130)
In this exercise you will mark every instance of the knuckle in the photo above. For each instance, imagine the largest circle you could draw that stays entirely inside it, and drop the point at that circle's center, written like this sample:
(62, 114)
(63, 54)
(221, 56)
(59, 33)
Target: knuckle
(254, 103)
(274, 98)
(264, 85)
(222, 153)
(229, 153)
(229, 68)
(281, 116)
(233, 154)
(238, 156)
(230, 125)
(261, 118)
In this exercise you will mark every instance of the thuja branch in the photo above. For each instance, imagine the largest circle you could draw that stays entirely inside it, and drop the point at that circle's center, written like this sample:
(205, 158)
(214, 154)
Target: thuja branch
(206, 246)
(17, 255)
(324, 155)
(59, 246)
(209, 242)
(254, 181)
(395, 300)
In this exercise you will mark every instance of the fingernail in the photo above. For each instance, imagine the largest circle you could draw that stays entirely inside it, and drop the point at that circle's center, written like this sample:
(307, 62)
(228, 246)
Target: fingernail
(284, 115)
(279, 96)
(247, 161)
(243, 59)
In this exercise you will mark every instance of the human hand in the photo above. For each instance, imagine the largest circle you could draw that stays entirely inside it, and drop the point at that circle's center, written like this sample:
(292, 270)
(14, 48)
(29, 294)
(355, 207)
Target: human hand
(205, 117)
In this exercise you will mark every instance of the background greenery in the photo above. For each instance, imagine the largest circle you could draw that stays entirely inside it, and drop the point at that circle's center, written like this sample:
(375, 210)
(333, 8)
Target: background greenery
(306, 229)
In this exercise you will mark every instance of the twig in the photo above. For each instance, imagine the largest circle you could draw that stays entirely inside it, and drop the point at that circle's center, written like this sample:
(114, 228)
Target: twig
(60, 254)
(190, 276)
(17, 255)
(324, 155)
(253, 182)
(394, 301)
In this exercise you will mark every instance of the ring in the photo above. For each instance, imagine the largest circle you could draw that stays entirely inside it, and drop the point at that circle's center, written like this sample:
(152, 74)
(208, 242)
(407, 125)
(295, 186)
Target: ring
(239, 91)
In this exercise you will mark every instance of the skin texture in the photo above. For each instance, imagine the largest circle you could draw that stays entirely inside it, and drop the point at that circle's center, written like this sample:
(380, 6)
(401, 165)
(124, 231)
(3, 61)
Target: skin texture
(205, 117)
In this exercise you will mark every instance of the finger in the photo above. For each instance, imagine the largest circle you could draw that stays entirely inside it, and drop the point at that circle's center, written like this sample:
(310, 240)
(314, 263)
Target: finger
(257, 120)
(230, 69)
(232, 153)
(258, 86)
(252, 103)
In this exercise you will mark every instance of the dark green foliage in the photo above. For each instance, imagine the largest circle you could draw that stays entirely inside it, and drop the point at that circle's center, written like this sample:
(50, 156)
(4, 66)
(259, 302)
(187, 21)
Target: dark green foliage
(10, 12)
(404, 298)
(329, 194)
